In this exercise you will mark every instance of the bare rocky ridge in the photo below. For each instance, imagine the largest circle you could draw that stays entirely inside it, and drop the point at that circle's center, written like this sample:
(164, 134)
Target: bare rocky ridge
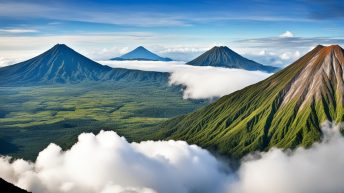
(322, 75)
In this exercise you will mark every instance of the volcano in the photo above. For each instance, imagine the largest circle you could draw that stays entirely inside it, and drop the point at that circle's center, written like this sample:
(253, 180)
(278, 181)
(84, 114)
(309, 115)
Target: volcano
(61, 64)
(222, 56)
(141, 53)
(285, 110)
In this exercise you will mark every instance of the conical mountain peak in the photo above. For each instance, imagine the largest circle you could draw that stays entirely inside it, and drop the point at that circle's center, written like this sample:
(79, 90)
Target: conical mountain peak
(333, 47)
(141, 53)
(285, 110)
(141, 47)
(222, 56)
(62, 64)
(60, 48)
(321, 76)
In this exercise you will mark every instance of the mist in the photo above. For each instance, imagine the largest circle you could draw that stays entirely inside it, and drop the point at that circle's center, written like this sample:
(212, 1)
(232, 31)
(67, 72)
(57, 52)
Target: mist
(200, 82)
(107, 163)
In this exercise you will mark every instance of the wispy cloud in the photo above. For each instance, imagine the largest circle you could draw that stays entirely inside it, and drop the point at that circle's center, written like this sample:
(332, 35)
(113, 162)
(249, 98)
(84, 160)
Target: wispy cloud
(281, 50)
(290, 41)
(109, 15)
(18, 30)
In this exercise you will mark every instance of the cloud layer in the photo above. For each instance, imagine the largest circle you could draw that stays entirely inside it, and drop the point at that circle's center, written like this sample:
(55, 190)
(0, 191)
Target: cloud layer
(315, 170)
(200, 82)
(108, 163)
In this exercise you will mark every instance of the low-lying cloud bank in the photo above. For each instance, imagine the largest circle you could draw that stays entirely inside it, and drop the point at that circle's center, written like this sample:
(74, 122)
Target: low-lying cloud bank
(319, 169)
(107, 163)
(200, 82)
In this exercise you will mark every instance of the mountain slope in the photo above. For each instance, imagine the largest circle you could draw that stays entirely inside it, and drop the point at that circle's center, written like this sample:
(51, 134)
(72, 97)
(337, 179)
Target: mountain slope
(61, 64)
(224, 57)
(284, 110)
(141, 53)
(7, 187)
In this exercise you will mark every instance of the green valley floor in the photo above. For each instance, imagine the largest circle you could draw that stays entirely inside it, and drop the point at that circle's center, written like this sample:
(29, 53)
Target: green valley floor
(32, 117)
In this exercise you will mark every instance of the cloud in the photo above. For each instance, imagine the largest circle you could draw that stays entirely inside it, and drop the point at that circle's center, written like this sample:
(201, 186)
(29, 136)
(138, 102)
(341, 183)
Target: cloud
(118, 15)
(274, 57)
(280, 50)
(184, 50)
(287, 34)
(106, 163)
(318, 169)
(25, 46)
(210, 82)
(8, 61)
(200, 82)
(292, 42)
(18, 30)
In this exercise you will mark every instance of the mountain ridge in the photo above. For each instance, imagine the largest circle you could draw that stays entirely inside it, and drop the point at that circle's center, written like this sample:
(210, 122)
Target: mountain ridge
(222, 56)
(7, 187)
(256, 118)
(61, 64)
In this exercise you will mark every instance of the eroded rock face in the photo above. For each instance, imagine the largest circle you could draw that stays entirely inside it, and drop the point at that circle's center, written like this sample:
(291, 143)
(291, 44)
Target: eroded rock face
(321, 76)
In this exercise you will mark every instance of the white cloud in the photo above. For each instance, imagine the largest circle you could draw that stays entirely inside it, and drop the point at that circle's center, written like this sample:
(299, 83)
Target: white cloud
(8, 61)
(106, 163)
(184, 50)
(290, 55)
(24, 46)
(279, 57)
(209, 82)
(18, 30)
(315, 170)
(287, 34)
(200, 82)
(118, 15)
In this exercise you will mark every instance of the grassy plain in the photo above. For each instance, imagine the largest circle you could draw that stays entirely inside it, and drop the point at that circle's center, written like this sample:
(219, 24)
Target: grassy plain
(32, 117)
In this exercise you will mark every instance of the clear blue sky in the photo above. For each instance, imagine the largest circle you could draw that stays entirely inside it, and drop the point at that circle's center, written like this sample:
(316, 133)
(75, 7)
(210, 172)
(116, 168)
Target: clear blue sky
(272, 32)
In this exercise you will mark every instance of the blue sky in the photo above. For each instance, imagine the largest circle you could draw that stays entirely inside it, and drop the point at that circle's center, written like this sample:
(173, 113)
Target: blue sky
(271, 32)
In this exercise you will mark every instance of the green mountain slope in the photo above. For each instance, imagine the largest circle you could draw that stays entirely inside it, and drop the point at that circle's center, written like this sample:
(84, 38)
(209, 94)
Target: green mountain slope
(284, 110)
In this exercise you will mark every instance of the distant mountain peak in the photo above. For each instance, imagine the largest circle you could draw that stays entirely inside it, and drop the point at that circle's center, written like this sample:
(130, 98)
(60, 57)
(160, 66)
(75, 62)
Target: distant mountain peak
(141, 53)
(222, 56)
(141, 47)
(60, 46)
